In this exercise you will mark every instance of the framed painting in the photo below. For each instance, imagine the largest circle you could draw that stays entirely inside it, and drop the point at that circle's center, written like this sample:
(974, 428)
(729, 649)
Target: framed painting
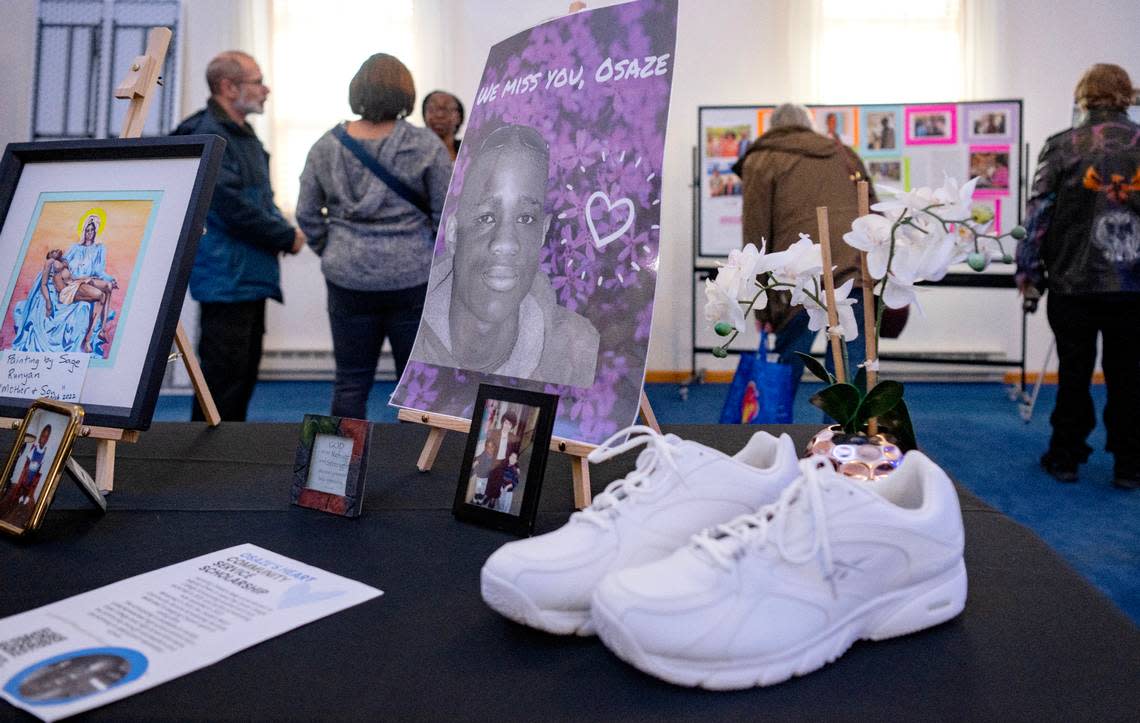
(98, 239)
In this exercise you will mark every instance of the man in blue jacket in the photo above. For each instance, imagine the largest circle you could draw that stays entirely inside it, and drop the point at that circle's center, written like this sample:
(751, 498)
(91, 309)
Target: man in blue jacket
(236, 268)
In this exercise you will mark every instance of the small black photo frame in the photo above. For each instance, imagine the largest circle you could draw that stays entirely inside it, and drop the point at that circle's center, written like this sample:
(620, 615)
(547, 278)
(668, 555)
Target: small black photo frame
(332, 459)
(505, 459)
(31, 474)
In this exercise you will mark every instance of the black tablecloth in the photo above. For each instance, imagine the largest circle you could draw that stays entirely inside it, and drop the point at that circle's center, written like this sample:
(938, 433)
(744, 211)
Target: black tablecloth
(1035, 641)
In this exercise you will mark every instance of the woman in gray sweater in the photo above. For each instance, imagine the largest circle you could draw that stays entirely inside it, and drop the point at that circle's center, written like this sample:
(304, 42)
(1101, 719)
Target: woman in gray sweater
(375, 245)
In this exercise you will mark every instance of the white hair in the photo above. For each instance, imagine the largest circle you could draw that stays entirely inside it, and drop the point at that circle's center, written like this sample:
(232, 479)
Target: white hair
(790, 115)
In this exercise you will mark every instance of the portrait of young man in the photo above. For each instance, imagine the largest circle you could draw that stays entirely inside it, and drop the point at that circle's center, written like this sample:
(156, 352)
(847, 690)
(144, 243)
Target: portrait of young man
(489, 307)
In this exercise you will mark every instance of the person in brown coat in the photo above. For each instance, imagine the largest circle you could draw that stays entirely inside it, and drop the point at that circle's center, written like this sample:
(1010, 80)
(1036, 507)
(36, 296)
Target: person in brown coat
(787, 172)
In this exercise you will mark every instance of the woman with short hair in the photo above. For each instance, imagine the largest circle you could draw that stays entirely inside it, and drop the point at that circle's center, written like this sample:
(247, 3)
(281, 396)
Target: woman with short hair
(371, 198)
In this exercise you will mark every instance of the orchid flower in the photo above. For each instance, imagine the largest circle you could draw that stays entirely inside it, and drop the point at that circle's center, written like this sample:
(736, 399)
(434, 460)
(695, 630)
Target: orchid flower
(872, 234)
(734, 279)
(817, 313)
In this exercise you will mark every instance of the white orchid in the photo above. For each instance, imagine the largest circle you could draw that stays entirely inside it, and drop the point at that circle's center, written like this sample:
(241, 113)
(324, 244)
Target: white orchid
(817, 313)
(955, 202)
(797, 265)
(722, 306)
(872, 234)
(914, 263)
(734, 280)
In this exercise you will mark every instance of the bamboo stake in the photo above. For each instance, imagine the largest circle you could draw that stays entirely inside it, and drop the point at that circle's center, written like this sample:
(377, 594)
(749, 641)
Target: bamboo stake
(870, 333)
(829, 291)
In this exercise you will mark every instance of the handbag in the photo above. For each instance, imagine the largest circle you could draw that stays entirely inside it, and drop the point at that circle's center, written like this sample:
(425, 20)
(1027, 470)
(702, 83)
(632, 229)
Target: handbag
(761, 391)
(401, 189)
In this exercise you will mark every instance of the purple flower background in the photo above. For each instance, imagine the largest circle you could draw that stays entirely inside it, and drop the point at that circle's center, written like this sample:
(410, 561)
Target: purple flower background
(603, 136)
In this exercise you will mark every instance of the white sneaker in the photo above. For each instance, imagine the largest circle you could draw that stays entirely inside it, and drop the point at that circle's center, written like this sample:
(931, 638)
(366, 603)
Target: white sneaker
(676, 489)
(788, 589)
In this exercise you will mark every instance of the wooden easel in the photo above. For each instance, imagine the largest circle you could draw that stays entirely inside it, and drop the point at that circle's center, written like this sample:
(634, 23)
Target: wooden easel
(440, 424)
(137, 86)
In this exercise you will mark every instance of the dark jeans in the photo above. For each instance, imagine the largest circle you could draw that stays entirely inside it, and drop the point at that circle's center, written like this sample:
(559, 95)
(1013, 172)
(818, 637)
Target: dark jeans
(360, 321)
(230, 352)
(1076, 321)
(795, 336)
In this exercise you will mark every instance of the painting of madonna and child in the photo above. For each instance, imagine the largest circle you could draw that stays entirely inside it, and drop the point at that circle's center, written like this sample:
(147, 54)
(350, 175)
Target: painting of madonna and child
(545, 265)
(71, 287)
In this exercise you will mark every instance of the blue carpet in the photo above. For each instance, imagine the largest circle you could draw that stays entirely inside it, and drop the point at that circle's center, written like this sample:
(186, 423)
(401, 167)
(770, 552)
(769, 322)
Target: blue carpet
(973, 430)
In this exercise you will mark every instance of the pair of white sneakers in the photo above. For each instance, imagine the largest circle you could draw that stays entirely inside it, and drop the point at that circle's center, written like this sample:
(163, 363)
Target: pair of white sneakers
(730, 572)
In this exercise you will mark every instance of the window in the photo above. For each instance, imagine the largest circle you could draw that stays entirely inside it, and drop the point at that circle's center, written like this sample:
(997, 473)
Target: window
(889, 51)
(314, 55)
(83, 50)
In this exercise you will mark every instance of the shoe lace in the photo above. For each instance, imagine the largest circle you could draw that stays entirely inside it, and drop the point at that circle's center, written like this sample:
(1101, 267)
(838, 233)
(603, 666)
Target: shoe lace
(657, 456)
(728, 542)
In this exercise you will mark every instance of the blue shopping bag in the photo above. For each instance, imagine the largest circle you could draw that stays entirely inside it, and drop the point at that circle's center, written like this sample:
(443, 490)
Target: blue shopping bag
(761, 390)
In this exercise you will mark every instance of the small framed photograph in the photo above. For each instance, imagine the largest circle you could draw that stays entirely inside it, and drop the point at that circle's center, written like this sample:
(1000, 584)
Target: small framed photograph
(505, 458)
(332, 459)
(43, 445)
(931, 124)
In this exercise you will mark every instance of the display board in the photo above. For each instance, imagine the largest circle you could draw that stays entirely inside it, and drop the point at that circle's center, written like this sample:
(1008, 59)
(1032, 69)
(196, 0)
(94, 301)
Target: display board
(904, 145)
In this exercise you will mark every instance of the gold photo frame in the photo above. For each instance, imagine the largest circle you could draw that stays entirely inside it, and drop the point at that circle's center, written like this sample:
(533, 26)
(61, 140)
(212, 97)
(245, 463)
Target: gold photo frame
(38, 456)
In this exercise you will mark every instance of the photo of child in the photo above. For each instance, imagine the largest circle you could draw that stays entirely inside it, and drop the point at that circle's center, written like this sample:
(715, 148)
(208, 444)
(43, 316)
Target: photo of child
(24, 486)
(499, 470)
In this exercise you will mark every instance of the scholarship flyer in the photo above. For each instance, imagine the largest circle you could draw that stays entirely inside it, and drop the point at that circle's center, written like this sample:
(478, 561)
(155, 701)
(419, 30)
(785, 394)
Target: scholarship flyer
(97, 647)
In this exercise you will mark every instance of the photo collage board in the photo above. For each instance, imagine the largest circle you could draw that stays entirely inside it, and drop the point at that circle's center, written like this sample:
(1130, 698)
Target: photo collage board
(904, 146)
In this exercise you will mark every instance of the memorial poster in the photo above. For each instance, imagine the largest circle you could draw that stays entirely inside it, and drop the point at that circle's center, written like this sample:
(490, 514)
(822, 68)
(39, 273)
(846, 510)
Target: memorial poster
(545, 264)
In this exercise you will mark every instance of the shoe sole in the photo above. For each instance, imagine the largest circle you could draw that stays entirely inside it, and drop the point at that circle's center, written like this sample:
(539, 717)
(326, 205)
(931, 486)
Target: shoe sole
(899, 613)
(511, 602)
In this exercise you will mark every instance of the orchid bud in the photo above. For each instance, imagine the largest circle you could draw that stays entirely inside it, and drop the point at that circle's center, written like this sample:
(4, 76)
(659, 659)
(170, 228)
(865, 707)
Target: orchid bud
(982, 214)
(978, 261)
(1007, 258)
(1018, 232)
(719, 352)
(723, 328)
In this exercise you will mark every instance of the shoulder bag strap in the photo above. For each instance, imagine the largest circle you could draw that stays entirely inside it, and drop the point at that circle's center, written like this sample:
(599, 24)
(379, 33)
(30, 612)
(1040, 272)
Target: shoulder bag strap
(362, 155)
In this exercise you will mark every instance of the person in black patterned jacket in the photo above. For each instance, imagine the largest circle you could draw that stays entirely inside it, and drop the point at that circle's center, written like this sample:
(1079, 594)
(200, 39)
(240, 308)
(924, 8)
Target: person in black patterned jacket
(1083, 247)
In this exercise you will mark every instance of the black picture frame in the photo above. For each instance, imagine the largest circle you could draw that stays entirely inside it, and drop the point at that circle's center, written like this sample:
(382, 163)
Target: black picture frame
(187, 223)
(528, 442)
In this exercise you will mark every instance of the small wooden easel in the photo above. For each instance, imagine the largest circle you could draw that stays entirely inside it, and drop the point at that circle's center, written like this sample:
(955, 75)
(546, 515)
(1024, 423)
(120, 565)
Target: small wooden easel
(137, 86)
(440, 424)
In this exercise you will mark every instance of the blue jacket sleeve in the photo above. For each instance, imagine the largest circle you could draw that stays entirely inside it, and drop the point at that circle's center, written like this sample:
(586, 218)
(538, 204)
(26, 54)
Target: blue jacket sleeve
(247, 212)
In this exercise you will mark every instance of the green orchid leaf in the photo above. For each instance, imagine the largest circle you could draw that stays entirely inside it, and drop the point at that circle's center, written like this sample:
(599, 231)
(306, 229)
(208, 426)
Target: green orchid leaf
(897, 423)
(861, 380)
(815, 367)
(880, 400)
(840, 402)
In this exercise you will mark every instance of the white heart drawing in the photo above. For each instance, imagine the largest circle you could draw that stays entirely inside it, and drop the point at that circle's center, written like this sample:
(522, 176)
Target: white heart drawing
(601, 243)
